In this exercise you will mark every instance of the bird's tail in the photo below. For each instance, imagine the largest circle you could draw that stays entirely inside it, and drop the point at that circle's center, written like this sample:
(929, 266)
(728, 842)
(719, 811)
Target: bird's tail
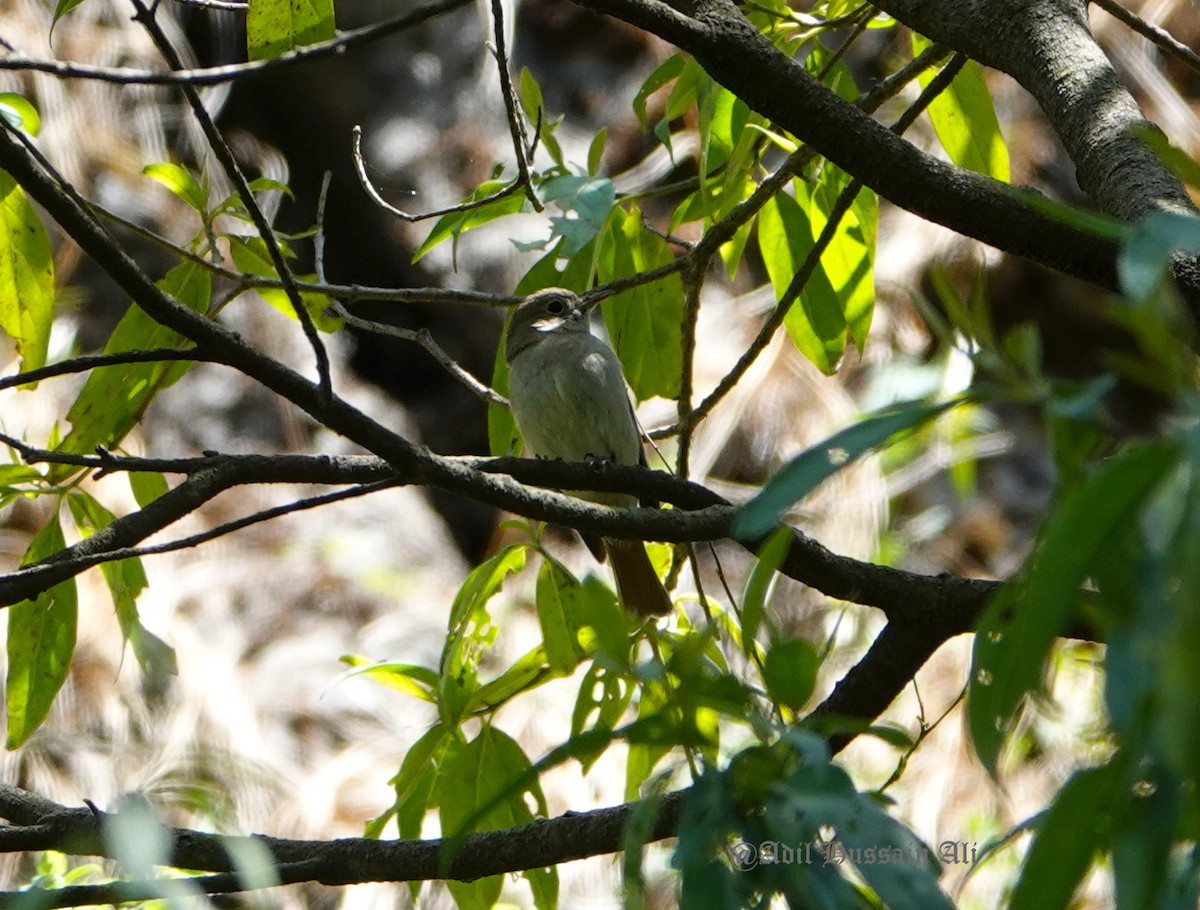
(637, 583)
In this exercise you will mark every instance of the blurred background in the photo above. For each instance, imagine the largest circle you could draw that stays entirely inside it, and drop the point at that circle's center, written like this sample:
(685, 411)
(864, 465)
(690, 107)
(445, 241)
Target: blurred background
(258, 733)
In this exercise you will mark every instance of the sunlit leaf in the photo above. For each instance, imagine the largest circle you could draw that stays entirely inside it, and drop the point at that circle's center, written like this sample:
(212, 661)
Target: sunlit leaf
(179, 181)
(644, 323)
(250, 255)
(849, 259)
(20, 113)
(815, 323)
(965, 121)
(26, 275)
(802, 474)
(41, 642)
(114, 398)
(126, 579)
(491, 774)
(274, 27)
(666, 71)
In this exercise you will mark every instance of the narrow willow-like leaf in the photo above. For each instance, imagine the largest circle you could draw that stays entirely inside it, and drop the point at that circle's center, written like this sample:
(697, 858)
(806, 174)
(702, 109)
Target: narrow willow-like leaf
(1017, 630)
(965, 120)
(41, 642)
(815, 323)
(26, 275)
(114, 398)
(800, 476)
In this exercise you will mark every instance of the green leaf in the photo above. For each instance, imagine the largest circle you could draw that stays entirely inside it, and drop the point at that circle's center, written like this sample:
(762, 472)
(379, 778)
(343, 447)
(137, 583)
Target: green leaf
(644, 323)
(666, 71)
(41, 641)
(114, 398)
(179, 180)
(26, 275)
(815, 323)
(61, 9)
(758, 585)
(596, 151)
(1142, 837)
(891, 859)
(274, 27)
(586, 203)
(471, 633)
(1018, 628)
(147, 486)
(1145, 257)
(491, 774)
(607, 706)
(965, 121)
(250, 255)
(557, 597)
(414, 783)
(790, 672)
(802, 474)
(411, 679)
(458, 222)
(19, 113)
(849, 259)
(126, 579)
(1073, 831)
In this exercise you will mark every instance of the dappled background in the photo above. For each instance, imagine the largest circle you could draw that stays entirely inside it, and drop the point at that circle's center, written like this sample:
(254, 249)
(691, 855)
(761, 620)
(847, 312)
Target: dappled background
(259, 732)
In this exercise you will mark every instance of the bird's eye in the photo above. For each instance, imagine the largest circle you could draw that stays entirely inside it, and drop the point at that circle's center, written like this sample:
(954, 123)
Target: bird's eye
(556, 306)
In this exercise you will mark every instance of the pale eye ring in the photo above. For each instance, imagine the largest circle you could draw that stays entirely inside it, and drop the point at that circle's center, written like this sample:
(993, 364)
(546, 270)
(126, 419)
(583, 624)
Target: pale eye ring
(556, 306)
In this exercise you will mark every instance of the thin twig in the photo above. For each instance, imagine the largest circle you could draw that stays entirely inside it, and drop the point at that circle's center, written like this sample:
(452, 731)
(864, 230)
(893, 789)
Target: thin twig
(421, 336)
(350, 292)
(90, 560)
(364, 180)
(217, 74)
(1160, 37)
(92, 361)
(516, 126)
(233, 171)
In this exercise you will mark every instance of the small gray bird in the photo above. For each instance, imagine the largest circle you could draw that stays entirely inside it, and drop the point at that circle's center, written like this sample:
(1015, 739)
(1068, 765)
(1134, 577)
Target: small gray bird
(570, 402)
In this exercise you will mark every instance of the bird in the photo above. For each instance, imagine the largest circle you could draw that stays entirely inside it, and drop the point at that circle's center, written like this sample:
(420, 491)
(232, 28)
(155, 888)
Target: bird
(570, 402)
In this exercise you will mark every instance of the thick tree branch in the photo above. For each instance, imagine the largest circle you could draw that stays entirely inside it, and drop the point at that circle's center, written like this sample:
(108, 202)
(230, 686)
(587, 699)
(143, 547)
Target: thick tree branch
(48, 826)
(742, 59)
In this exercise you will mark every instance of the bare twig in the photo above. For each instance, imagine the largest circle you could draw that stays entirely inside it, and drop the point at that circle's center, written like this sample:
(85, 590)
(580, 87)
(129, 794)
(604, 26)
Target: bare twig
(516, 125)
(1160, 37)
(421, 336)
(92, 361)
(364, 179)
(217, 74)
(145, 15)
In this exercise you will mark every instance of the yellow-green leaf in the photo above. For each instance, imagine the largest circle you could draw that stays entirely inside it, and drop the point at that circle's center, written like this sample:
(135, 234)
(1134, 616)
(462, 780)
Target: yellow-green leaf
(274, 27)
(816, 322)
(18, 111)
(26, 275)
(965, 121)
(41, 641)
(114, 398)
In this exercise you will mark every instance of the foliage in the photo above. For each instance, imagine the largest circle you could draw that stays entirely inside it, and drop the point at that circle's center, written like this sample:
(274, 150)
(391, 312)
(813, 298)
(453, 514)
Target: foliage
(714, 705)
